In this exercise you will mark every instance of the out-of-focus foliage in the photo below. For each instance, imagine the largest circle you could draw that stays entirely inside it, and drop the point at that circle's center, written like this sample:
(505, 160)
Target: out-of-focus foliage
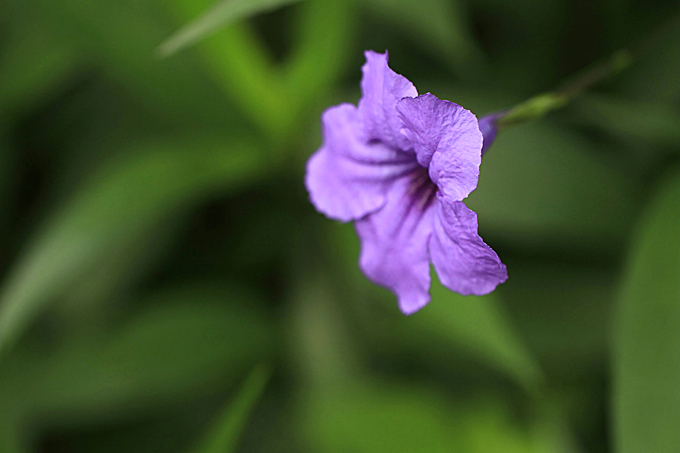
(125, 201)
(166, 285)
(648, 340)
(218, 16)
(224, 436)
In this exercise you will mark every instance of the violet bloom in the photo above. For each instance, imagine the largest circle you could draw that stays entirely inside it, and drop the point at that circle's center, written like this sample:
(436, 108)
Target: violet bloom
(399, 166)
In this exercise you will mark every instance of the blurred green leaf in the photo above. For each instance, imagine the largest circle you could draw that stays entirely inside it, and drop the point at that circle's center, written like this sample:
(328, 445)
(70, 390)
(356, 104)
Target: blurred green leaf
(476, 325)
(441, 26)
(273, 96)
(33, 63)
(654, 76)
(563, 312)
(322, 348)
(121, 201)
(227, 430)
(221, 14)
(325, 30)
(191, 339)
(238, 63)
(91, 302)
(646, 394)
(542, 183)
(398, 418)
(376, 419)
(9, 436)
(653, 122)
(120, 38)
(7, 178)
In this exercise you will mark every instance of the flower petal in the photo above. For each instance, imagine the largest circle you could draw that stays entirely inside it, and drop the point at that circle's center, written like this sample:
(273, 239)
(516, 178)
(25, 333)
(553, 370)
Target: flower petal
(381, 89)
(394, 245)
(447, 139)
(348, 178)
(464, 263)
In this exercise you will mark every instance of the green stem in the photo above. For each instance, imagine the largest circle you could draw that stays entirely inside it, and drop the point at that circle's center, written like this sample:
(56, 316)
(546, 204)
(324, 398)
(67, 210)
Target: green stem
(540, 105)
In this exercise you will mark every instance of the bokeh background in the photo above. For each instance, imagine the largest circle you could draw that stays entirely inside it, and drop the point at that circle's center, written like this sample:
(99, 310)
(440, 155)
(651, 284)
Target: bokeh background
(167, 287)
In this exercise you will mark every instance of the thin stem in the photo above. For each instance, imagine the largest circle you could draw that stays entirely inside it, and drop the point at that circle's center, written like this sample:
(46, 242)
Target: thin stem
(538, 106)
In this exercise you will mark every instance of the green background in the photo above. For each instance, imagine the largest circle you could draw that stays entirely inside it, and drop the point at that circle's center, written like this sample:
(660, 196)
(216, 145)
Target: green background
(167, 287)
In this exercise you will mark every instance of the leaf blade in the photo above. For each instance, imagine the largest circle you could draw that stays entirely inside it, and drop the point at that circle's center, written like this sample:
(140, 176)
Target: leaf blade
(220, 15)
(192, 339)
(477, 326)
(647, 349)
(224, 436)
(124, 199)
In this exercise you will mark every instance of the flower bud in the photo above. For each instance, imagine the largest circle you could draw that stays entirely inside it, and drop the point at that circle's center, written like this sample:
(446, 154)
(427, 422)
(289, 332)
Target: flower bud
(489, 127)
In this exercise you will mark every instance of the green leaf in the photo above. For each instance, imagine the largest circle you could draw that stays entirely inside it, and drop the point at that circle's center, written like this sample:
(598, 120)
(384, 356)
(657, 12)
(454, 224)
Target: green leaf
(540, 183)
(7, 179)
(570, 310)
(378, 418)
(33, 63)
(654, 76)
(92, 300)
(322, 348)
(192, 339)
(242, 67)
(324, 36)
(652, 122)
(646, 394)
(225, 435)
(120, 38)
(238, 62)
(478, 325)
(121, 201)
(408, 418)
(9, 436)
(223, 13)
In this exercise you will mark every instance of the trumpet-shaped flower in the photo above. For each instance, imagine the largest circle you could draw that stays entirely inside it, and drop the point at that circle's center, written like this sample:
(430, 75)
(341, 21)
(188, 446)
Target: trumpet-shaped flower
(399, 166)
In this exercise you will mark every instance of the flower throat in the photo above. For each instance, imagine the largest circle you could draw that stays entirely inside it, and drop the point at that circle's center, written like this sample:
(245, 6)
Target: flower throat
(422, 189)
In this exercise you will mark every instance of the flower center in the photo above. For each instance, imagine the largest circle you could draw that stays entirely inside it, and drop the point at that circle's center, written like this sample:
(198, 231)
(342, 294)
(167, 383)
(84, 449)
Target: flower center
(422, 190)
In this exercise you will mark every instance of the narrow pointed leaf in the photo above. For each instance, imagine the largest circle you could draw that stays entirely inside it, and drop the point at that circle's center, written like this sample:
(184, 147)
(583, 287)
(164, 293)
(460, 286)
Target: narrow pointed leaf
(323, 47)
(227, 430)
(238, 62)
(220, 15)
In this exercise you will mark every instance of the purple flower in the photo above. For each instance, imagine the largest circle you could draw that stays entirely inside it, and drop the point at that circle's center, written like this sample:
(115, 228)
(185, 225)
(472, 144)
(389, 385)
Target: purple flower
(399, 166)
